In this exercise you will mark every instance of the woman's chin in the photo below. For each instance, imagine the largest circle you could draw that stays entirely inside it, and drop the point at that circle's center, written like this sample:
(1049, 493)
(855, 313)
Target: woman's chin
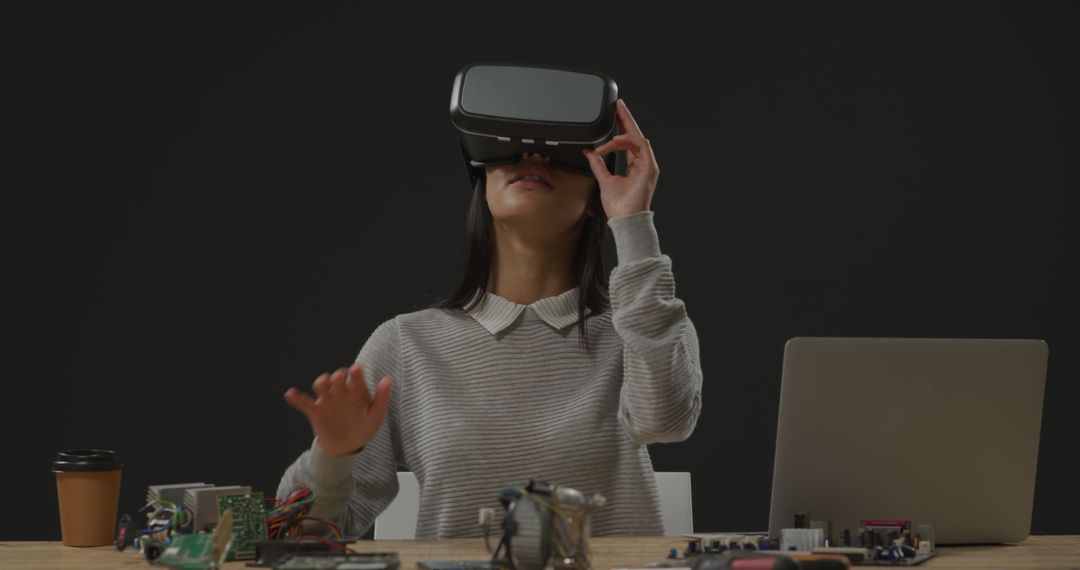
(525, 214)
(516, 215)
(529, 206)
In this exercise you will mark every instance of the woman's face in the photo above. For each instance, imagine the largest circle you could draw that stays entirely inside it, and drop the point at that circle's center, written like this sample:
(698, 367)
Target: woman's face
(555, 206)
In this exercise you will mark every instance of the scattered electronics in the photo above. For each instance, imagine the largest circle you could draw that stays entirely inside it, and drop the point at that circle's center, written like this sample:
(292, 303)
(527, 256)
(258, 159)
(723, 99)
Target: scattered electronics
(164, 519)
(213, 524)
(877, 542)
(126, 531)
(455, 565)
(350, 561)
(545, 526)
(202, 501)
(173, 493)
(205, 551)
(801, 539)
(719, 543)
(249, 522)
(270, 552)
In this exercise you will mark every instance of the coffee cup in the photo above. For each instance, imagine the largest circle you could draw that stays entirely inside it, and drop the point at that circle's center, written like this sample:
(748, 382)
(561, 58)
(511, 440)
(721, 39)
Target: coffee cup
(88, 490)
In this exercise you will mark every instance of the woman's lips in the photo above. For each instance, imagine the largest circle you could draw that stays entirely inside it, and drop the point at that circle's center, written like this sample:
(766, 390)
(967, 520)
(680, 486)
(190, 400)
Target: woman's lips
(525, 183)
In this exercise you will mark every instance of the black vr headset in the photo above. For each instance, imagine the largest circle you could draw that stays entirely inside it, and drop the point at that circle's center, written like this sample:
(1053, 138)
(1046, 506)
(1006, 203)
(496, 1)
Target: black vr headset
(504, 110)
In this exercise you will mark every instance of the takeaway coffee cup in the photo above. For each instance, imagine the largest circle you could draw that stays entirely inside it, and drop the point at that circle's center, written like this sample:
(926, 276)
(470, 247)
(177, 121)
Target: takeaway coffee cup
(88, 490)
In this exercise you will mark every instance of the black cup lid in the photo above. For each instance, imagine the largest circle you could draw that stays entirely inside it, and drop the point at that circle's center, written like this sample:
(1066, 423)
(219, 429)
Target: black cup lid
(86, 460)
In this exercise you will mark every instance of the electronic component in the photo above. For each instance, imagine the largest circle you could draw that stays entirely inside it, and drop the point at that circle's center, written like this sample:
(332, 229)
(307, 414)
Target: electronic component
(819, 561)
(736, 560)
(200, 551)
(896, 554)
(880, 542)
(826, 529)
(545, 524)
(202, 501)
(801, 539)
(855, 554)
(125, 532)
(887, 526)
(878, 556)
(249, 523)
(718, 543)
(164, 519)
(455, 565)
(174, 493)
(924, 540)
(270, 552)
(340, 562)
(287, 516)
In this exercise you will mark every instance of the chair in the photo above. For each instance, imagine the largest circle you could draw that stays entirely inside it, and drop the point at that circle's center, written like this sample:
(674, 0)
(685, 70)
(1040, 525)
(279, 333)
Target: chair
(676, 502)
(398, 521)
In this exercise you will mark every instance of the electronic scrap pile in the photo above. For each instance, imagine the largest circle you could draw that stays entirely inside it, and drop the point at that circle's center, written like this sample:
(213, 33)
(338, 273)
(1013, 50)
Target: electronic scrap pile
(200, 526)
(809, 544)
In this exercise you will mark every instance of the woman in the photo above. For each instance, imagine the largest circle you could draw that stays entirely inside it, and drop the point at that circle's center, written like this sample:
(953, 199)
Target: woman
(494, 387)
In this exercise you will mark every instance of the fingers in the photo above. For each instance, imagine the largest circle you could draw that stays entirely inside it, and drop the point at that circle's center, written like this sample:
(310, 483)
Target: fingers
(596, 164)
(356, 384)
(337, 382)
(631, 139)
(343, 382)
(626, 120)
(321, 386)
(639, 147)
(382, 398)
(628, 125)
(299, 400)
(625, 141)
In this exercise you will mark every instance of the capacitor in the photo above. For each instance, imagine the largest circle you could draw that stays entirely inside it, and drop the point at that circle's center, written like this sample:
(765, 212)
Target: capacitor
(866, 538)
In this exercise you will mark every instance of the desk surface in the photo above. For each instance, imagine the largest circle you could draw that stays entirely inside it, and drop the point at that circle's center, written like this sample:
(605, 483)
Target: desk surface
(1062, 552)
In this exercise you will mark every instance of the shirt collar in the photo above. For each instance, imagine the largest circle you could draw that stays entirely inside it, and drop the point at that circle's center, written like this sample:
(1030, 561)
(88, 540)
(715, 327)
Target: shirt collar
(496, 313)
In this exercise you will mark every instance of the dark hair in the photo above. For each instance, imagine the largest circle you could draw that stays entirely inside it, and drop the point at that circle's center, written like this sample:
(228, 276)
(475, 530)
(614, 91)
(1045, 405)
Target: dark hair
(590, 272)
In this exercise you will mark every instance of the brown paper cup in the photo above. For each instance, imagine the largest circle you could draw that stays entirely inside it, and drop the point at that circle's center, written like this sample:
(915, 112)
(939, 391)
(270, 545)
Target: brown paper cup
(88, 490)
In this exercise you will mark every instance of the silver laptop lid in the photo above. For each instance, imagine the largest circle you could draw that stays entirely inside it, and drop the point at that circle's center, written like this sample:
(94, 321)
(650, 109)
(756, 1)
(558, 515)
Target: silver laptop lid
(938, 431)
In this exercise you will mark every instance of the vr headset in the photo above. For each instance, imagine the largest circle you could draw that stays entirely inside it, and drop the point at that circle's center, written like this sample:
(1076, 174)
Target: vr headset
(503, 110)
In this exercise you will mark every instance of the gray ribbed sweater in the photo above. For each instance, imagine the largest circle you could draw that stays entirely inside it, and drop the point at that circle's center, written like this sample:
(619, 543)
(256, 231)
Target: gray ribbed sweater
(504, 394)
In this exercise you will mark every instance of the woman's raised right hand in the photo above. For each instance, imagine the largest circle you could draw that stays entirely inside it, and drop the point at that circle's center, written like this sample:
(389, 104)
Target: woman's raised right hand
(343, 414)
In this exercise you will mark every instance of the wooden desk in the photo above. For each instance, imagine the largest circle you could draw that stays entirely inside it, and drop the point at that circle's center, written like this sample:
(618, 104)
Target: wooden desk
(1061, 552)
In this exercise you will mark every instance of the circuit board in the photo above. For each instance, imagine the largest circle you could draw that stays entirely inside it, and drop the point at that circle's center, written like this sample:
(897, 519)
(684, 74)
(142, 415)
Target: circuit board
(249, 523)
(188, 552)
(334, 561)
(199, 551)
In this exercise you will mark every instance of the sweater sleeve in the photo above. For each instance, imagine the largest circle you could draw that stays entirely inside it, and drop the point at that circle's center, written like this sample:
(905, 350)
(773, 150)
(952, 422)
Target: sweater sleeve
(660, 398)
(352, 490)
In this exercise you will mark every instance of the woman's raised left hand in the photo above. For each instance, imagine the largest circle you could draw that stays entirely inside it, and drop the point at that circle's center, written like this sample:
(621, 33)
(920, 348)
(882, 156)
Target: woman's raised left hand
(632, 193)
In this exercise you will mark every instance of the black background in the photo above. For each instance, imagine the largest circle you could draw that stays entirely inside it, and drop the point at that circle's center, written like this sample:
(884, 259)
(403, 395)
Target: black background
(205, 204)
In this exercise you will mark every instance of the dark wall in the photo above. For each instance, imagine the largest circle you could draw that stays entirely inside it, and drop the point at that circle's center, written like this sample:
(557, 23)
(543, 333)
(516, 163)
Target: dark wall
(207, 204)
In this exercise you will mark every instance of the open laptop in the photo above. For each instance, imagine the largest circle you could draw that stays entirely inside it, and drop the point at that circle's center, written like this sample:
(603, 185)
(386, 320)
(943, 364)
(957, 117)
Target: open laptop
(937, 431)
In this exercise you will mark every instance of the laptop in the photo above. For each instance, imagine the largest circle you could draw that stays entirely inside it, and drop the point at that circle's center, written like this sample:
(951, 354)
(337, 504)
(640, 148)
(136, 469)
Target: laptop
(935, 431)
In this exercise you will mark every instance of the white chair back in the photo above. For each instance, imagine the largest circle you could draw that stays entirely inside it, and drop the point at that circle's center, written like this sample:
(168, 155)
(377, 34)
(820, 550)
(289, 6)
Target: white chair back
(398, 521)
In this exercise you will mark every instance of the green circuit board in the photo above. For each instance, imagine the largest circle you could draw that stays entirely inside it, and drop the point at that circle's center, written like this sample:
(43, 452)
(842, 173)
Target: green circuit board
(199, 551)
(249, 523)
